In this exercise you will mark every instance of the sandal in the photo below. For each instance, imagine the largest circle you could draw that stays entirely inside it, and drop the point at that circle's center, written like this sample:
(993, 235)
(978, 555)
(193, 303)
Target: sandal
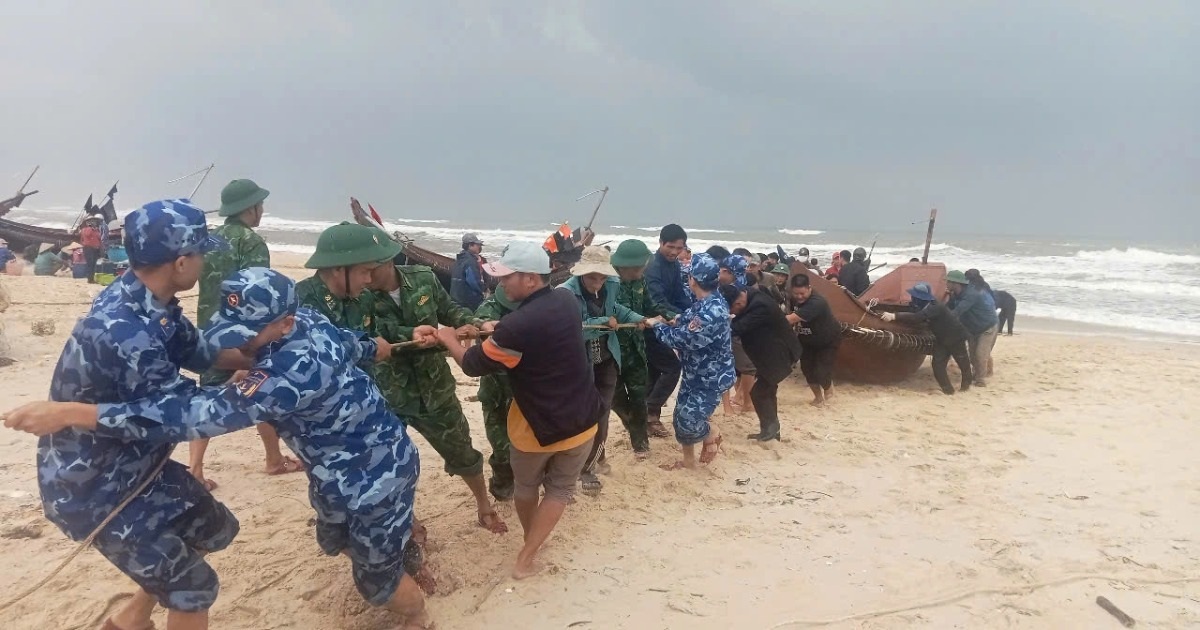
(591, 484)
(655, 428)
(710, 450)
(492, 522)
(287, 466)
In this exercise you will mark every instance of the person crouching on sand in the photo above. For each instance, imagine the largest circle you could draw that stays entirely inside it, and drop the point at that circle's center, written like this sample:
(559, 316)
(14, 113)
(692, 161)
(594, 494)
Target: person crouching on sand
(703, 340)
(307, 381)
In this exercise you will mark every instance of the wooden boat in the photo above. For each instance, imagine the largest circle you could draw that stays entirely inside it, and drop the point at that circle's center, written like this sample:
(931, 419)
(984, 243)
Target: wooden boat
(15, 200)
(442, 265)
(872, 350)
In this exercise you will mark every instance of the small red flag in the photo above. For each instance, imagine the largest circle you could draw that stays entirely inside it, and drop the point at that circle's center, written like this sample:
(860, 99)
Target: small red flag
(375, 215)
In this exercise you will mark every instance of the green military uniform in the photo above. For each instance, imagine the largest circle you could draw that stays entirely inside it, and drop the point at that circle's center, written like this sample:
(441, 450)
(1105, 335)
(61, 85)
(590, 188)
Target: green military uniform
(495, 396)
(629, 401)
(417, 383)
(349, 313)
(246, 249)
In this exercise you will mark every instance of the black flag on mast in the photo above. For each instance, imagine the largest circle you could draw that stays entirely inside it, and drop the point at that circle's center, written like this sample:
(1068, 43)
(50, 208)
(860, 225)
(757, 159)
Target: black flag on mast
(108, 210)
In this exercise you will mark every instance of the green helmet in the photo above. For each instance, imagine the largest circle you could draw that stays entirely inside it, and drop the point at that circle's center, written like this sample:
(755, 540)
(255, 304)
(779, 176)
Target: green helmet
(783, 269)
(957, 277)
(240, 195)
(630, 253)
(348, 244)
(503, 300)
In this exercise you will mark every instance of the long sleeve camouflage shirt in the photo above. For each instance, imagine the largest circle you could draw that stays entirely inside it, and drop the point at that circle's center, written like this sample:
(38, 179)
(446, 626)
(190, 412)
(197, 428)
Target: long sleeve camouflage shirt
(635, 296)
(128, 347)
(310, 387)
(417, 378)
(703, 339)
(350, 313)
(493, 388)
(246, 249)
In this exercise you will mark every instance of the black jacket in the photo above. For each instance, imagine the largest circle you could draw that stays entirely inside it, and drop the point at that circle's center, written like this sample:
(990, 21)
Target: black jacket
(944, 325)
(466, 283)
(541, 347)
(767, 337)
(854, 277)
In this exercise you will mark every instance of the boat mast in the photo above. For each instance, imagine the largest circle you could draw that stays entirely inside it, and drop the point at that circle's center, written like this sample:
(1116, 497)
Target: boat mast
(206, 170)
(929, 236)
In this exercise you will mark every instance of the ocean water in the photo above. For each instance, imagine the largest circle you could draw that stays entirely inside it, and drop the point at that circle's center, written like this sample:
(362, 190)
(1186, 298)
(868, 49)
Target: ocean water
(1145, 287)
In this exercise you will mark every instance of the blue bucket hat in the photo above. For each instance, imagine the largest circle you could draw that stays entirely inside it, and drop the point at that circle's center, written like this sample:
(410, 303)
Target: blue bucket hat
(736, 264)
(250, 299)
(705, 271)
(922, 291)
(164, 230)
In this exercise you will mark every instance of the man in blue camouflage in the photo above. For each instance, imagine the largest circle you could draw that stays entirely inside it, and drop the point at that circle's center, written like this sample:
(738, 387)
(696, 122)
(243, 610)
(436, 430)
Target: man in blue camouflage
(702, 339)
(308, 384)
(131, 346)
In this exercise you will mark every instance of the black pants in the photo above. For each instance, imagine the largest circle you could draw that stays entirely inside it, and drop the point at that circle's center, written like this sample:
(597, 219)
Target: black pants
(817, 365)
(664, 371)
(941, 357)
(766, 405)
(605, 377)
(1007, 315)
(91, 255)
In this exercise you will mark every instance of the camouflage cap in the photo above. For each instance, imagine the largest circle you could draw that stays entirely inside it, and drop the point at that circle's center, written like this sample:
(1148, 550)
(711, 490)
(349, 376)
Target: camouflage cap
(734, 263)
(705, 271)
(250, 299)
(349, 244)
(164, 230)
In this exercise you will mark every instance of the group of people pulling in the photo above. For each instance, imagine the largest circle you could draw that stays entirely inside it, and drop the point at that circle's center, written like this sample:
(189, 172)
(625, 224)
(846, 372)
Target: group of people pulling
(338, 365)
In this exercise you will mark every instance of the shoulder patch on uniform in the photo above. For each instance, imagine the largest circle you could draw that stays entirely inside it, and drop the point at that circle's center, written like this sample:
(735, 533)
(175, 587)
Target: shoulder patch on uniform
(254, 380)
(423, 300)
(695, 324)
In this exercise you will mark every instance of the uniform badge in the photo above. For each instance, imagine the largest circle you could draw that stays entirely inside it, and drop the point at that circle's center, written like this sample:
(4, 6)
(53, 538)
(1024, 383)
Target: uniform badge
(162, 322)
(232, 300)
(375, 237)
(329, 301)
(247, 386)
(423, 300)
(695, 325)
(366, 322)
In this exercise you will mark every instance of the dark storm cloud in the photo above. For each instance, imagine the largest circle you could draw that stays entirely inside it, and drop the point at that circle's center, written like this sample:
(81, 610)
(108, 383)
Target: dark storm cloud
(1014, 117)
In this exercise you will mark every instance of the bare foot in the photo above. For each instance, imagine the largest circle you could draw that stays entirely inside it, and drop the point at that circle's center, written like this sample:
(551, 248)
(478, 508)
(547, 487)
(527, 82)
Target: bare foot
(829, 394)
(522, 570)
(817, 402)
(208, 484)
(676, 466)
(492, 522)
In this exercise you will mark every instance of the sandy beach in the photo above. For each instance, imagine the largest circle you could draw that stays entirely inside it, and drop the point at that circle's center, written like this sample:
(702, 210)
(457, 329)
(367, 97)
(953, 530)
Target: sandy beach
(1078, 461)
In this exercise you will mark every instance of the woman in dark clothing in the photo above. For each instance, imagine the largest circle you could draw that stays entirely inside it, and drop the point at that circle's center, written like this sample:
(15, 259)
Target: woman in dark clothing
(951, 336)
(768, 340)
(819, 334)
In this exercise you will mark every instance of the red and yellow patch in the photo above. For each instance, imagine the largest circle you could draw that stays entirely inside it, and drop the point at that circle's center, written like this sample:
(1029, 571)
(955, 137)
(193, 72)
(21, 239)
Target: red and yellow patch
(233, 300)
(254, 380)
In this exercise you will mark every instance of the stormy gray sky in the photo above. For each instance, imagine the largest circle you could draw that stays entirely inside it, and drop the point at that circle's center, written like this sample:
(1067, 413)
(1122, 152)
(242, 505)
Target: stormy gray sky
(1069, 117)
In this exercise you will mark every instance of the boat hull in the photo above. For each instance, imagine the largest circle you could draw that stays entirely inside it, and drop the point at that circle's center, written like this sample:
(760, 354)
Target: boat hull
(869, 352)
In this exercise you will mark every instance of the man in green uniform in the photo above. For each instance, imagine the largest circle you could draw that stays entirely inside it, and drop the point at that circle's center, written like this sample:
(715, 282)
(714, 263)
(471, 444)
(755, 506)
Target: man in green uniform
(495, 396)
(242, 207)
(344, 259)
(417, 382)
(629, 401)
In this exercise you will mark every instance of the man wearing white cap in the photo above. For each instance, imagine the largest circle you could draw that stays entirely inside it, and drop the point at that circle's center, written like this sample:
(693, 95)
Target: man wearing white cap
(552, 420)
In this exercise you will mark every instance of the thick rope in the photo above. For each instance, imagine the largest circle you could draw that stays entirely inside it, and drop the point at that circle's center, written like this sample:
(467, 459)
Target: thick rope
(950, 599)
(87, 542)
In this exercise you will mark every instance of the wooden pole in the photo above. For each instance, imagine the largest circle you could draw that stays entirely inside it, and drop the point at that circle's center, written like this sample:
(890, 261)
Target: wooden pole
(201, 182)
(929, 236)
(603, 193)
(28, 179)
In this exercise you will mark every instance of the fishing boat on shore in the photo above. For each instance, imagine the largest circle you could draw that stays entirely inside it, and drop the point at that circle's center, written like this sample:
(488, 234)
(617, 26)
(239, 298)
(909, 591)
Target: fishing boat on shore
(564, 248)
(21, 235)
(872, 350)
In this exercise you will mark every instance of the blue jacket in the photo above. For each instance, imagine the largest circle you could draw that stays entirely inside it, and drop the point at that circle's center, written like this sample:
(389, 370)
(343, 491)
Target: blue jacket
(466, 285)
(665, 282)
(624, 315)
(975, 309)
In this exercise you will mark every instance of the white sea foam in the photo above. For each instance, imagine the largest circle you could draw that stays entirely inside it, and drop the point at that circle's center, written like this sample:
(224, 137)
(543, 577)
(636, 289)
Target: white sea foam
(801, 232)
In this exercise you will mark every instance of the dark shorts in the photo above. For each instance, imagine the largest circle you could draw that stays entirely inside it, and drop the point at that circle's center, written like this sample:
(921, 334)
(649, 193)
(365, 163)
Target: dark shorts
(817, 365)
(169, 564)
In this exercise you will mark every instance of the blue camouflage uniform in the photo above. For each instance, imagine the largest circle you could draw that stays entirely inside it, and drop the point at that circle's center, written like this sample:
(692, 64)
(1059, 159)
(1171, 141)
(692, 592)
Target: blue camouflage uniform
(130, 346)
(737, 266)
(703, 339)
(362, 468)
(685, 270)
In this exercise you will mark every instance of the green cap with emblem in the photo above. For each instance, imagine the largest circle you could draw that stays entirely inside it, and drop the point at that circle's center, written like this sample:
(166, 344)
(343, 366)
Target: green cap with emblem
(349, 244)
(630, 253)
(957, 277)
(782, 269)
(240, 195)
